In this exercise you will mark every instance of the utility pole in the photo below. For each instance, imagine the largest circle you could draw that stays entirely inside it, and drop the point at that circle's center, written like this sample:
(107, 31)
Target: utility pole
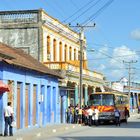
(129, 76)
(81, 38)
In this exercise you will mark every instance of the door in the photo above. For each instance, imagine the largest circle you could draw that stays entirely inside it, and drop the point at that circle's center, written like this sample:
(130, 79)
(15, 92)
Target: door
(1, 114)
(18, 111)
(34, 103)
(26, 105)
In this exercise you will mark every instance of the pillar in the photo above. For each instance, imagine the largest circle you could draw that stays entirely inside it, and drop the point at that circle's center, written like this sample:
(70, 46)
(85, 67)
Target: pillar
(94, 88)
(131, 102)
(76, 94)
(86, 95)
(135, 100)
(51, 49)
(45, 48)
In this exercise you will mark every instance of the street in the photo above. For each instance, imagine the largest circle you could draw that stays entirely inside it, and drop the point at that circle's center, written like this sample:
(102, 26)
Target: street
(130, 131)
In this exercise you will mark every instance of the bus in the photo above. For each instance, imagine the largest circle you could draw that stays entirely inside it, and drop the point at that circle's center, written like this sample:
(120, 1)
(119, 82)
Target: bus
(106, 103)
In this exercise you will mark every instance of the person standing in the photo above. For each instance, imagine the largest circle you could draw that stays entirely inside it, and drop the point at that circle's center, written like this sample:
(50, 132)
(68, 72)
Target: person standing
(80, 116)
(126, 114)
(96, 115)
(117, 116)
(90, 113)
(8, 117)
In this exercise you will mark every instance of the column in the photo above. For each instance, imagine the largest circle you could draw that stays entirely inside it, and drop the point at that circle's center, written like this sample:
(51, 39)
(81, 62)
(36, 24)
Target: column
(76, 94)
(86, 94)
(72, 53)
(63, 49)
(135, 102)
(130, 102)
(94, 89)
(68, 53)
(51, 48)
(76, 54)
(57, 50)
(45, 47)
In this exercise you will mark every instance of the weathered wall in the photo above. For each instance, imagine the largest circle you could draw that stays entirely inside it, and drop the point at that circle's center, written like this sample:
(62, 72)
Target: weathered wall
(26, 38)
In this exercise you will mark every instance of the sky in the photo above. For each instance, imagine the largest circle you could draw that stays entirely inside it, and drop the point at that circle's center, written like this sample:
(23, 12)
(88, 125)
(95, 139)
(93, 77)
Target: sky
(115, 38)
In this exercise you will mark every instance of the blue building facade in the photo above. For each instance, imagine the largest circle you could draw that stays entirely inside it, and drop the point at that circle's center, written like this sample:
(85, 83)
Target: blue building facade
(34, 95)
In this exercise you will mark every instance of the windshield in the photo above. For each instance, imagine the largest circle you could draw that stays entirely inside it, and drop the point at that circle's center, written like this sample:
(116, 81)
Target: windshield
(101, 99)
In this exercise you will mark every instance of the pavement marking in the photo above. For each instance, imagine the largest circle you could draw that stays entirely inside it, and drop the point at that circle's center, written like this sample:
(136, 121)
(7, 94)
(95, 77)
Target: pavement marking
(54, 130)
(20, 138)
(73, 126)
(66, 128)
(38, 134)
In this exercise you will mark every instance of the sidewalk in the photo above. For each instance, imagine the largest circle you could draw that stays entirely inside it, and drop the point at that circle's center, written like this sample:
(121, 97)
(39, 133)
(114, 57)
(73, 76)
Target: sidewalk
(134, 115)
(36, 133)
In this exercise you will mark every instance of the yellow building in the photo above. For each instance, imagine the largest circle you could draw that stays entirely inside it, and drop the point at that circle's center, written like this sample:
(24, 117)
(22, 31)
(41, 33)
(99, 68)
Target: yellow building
(61, 51)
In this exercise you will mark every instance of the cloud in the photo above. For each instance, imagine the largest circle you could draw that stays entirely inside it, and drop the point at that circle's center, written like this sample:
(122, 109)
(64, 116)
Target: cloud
(135, 34)
(121, 54)
(116, 73)
(101, 67)
(113, 67)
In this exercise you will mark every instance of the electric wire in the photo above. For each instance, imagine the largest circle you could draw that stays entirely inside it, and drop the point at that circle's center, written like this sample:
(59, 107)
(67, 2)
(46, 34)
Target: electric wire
(85, 11)
(79, 10)
(92, 17)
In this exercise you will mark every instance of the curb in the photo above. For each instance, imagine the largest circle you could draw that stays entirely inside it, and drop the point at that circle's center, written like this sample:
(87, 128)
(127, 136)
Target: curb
(48, 131)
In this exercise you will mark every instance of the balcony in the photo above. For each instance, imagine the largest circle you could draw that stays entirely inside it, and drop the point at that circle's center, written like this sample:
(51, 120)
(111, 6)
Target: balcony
(73, 66)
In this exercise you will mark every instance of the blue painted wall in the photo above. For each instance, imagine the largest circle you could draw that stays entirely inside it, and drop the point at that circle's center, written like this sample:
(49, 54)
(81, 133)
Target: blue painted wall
(47, 95)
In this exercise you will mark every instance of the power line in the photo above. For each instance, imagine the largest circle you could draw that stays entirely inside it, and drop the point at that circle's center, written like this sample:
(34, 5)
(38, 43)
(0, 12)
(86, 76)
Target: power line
(79, 10)
(85, 11)
(73, 3)
(92, 17)
(54, 7)
(115, 57)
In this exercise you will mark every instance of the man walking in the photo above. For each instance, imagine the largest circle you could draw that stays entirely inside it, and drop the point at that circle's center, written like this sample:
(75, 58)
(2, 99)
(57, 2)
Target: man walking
(8, 117)
(117, 116)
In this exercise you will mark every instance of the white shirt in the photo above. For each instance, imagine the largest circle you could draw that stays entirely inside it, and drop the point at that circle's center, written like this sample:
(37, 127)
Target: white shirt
(96, 111)
(90, 112)
(8, 111)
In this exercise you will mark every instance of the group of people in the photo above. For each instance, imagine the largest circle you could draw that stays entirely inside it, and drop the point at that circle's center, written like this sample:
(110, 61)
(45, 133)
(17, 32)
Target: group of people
(88, 116)
(82, 115)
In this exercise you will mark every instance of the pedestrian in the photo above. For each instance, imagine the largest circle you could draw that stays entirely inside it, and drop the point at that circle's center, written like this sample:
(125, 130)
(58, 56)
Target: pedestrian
(8, 118)
(117, 116)
(69, 113)
(138, 109)
(80, 116)
(76, 114)
(96, 115)
(90, 113)
(126, 114)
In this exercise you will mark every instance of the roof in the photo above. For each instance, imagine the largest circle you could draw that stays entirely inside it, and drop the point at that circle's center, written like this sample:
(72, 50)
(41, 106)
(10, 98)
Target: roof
(18, 57)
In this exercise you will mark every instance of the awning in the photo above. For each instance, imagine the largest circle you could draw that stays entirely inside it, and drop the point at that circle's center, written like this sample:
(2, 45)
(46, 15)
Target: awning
(3, 87)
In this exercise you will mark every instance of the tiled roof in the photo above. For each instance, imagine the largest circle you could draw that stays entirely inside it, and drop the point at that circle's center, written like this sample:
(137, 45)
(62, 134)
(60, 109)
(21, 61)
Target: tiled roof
(18, 57)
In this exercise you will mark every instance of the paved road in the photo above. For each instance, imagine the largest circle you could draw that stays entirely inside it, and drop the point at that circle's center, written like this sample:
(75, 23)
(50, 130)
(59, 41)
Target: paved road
(130, 131)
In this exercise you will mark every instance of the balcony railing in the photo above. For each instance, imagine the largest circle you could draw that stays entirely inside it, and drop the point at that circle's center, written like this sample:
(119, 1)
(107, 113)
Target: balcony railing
(73, 67)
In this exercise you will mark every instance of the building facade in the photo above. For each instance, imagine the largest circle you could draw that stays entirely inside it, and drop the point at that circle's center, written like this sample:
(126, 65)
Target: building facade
(33, 90)
(56, 46)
